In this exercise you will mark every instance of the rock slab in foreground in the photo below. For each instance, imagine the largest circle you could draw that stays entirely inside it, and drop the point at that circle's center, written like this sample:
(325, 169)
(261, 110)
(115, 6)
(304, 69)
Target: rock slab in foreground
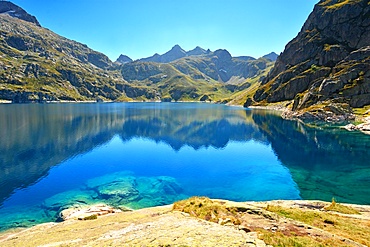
(157, 226)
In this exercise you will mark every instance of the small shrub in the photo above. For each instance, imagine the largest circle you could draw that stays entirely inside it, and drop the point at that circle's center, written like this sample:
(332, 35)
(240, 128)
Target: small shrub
(206, 209)
(91, 217)
(314, 67)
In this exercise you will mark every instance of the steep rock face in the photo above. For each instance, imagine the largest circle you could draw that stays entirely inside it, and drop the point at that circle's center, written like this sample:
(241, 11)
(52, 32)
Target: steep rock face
(327, 63)
(17, 12)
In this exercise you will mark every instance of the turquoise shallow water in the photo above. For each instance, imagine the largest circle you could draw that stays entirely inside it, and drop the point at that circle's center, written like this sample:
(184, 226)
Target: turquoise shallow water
(147, 154)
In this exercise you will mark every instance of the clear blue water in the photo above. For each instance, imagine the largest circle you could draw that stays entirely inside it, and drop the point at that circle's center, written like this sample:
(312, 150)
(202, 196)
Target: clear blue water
(55, 156)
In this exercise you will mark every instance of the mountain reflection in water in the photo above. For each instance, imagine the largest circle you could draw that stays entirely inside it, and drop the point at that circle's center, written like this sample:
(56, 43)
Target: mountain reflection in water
(218, 151)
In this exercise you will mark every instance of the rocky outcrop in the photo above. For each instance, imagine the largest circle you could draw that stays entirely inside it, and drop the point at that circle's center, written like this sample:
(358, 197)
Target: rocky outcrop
(87, 212)
(327, 63)
(17, 12)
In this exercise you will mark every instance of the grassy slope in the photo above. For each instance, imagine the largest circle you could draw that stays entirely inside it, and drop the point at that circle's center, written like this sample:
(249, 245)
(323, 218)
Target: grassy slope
(51, 54)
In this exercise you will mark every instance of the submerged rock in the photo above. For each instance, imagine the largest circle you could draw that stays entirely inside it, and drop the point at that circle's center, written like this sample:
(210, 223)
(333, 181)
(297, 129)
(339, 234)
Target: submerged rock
(70, 198)
(116, 188)
(120, 191)
(122, 188)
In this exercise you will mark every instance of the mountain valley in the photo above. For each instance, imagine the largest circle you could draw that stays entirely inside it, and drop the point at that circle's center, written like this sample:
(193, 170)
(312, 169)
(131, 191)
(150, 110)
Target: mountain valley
(37, 65)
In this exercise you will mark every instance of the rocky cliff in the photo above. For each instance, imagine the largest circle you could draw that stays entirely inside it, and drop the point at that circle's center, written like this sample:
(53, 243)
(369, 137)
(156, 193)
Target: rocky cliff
(325, 70)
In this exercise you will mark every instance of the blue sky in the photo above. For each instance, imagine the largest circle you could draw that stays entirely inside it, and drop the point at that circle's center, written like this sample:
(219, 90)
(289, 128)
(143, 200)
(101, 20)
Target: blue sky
(140, 28)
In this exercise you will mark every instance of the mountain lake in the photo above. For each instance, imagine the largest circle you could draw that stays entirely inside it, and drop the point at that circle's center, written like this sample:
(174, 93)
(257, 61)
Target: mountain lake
(55, 156)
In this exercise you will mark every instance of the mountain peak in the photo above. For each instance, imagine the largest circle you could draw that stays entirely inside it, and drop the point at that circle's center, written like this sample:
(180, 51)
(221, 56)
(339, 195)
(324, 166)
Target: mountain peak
(272, 56)
(222, 54)
(176, 47)
(197, 51)
(17, 12)
(176, 52)
(123, 59)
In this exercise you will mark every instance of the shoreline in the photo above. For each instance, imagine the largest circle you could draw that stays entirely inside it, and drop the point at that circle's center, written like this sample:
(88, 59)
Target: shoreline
(165, 225)
(360, 123)
(111, 210)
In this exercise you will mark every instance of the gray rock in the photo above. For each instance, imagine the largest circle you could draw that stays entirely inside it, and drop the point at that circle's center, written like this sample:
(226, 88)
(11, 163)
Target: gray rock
(81, 212)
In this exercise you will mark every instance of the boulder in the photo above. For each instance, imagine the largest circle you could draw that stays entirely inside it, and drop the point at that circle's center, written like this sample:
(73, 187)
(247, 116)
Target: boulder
(82, 213)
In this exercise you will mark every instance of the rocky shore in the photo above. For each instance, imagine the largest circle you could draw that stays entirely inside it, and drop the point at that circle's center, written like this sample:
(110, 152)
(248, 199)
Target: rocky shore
(363, 127)
(202, 222)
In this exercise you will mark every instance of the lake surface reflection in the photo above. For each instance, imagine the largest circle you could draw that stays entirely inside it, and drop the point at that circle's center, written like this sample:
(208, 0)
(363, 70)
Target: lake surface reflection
(54, 156)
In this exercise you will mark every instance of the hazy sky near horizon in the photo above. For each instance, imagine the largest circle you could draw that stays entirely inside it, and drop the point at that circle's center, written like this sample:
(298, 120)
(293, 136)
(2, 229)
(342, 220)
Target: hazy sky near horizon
(140, 28)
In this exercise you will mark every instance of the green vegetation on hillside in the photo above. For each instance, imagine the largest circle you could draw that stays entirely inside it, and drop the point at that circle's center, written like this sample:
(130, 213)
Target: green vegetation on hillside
(37, 65)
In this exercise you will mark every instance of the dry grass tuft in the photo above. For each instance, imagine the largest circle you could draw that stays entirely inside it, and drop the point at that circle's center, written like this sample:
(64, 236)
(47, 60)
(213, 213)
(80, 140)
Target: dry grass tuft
(206, 209)
(336, 207)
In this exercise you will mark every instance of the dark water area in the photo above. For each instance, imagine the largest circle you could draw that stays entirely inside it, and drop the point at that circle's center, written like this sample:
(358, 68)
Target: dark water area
(55, 156)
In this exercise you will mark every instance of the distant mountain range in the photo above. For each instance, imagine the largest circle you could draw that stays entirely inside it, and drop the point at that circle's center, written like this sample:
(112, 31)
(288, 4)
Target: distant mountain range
(37, 65)
(197, 63)
(177, 52)
(198, 74)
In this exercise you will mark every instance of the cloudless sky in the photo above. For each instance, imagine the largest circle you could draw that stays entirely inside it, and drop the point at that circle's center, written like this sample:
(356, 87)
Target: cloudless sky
(140, 28)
